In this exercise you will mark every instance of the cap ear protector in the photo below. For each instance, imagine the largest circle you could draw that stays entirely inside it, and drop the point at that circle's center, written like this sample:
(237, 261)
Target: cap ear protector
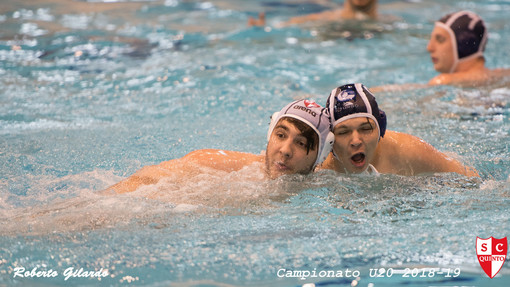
(314, 116)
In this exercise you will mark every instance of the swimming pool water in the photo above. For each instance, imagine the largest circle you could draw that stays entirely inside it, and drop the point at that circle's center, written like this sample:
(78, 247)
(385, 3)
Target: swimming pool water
(93, 91)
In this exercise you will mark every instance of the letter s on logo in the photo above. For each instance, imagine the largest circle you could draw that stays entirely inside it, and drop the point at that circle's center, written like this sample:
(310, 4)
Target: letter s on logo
(484, 247)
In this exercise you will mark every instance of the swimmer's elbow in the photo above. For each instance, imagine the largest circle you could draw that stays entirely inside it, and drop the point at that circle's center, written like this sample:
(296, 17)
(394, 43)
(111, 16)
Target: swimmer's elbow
(462, 169)
(117, 188)
(145, 176)
(130, 184)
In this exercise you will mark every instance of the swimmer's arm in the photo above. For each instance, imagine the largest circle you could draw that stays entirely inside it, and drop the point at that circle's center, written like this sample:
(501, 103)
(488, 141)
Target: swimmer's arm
(501, 72)
(332, 15)
(424, 158)
(145, 176)
(154, 173)
(397, 88)
(224, 160)
(228, 161)
(260, 21)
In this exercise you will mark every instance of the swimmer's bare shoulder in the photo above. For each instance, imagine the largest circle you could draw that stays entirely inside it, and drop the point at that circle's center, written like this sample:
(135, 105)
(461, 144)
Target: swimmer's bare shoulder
(472, 78)
(464, 79)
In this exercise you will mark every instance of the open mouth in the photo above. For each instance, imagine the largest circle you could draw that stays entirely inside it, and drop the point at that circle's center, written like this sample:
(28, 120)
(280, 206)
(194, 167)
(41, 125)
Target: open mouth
(358, 159)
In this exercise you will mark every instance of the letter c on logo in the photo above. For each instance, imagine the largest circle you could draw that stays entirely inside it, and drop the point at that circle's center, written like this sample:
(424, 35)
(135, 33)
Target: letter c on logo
(278, 273)
(498, 245)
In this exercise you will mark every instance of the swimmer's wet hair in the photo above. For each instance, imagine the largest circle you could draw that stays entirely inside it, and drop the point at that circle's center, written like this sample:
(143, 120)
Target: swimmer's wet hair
(312, 138)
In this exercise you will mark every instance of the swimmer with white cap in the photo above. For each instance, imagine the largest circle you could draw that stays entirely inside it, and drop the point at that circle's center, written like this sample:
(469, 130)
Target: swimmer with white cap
(300, 124)
(363, 145)
(299, 139)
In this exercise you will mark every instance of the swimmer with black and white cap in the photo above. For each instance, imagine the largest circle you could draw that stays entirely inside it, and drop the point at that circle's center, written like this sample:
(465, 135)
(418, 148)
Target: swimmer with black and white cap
(299, 139)
(363, 145)
(456, 48)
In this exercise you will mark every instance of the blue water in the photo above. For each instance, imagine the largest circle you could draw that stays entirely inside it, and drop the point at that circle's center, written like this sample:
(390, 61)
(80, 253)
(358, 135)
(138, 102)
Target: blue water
(91, 92)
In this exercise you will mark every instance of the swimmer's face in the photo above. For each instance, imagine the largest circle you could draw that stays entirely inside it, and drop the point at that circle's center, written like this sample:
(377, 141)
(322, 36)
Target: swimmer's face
(287, 151)
(355, 143)
(440, 48)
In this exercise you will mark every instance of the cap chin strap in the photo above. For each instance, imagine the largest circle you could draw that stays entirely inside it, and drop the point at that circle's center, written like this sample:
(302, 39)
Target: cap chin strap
(454, 45)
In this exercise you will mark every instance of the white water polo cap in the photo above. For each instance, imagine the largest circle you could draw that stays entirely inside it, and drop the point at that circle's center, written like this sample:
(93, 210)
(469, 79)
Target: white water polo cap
(468, 33)
(355, 101)
(313, 115)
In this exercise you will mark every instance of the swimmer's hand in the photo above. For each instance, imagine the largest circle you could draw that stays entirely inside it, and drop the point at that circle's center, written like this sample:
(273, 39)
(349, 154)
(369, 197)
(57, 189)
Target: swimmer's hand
(261, 21)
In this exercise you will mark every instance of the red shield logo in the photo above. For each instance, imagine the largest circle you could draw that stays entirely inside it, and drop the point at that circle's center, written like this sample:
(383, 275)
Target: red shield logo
(491, 253)
(311, 104)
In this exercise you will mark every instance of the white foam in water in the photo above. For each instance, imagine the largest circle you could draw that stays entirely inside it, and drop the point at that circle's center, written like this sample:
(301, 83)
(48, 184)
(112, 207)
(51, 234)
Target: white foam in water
(501, 94)
(210, 187)
(183, 207)
(63, 209)
(44, 124)
(77, 206)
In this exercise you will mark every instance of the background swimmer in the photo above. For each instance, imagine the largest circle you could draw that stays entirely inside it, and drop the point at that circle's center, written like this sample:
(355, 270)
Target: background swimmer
(298, 140)
(360, 147)
(456, 48)
(352, 9)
